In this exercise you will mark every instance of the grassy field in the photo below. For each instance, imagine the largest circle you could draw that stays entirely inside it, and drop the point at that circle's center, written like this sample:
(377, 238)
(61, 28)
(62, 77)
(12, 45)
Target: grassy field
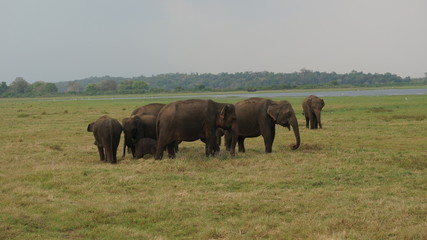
(363, 176)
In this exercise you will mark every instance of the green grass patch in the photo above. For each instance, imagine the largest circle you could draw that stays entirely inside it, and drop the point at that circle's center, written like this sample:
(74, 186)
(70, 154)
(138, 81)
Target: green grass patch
(363, 176)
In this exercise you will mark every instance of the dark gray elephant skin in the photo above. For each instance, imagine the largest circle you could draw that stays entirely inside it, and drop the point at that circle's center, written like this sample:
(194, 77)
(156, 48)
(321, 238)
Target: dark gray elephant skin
(145, 146)
(312, 107)
(107, 133)
(219, 133)
(195, 119)
(259, 116)
(141, 124)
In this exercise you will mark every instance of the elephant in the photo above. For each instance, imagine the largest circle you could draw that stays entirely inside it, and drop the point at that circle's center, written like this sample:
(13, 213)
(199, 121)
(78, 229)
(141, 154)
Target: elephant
(312, 106)
(145, 146)
(107, 132)
(152, 108)
(259, 116)
(194, 119)
(141, 124)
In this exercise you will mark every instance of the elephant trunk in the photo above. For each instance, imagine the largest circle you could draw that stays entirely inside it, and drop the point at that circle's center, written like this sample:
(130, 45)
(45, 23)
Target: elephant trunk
(294, 124)
(317, 113)
(234, 135)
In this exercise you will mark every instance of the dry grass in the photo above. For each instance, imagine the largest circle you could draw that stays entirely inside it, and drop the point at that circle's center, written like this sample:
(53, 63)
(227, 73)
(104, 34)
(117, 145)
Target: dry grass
(363, 176)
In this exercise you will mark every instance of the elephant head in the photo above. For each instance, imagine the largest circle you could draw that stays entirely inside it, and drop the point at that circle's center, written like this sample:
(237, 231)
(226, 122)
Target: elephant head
(133, 130)
(283, 114)
(316, 107)
(90, 127)
(227, 120)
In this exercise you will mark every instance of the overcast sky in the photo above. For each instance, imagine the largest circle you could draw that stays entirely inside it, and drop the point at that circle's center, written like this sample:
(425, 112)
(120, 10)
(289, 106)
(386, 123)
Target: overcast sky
(61, 40)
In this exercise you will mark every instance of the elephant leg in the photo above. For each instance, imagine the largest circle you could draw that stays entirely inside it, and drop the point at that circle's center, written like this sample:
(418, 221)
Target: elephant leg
(241, 143)
(176, 146)
(307, 120)
(269, 139)
(132, 149)
(212, 150)
(227, 141)
(160, 149)
(108, 154)
(114, 154)
(214, 146)
(313, 121)
(216, 149)
(101, 153)
(124, 151)
(171, 150)
(207, 150)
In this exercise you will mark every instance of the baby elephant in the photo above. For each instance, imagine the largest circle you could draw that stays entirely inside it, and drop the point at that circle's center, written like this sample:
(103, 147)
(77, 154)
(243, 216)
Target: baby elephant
(312, 106)
(145, 146)
(107, 133)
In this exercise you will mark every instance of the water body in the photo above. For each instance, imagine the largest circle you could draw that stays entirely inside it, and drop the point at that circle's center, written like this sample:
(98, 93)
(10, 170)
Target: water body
(352, 93)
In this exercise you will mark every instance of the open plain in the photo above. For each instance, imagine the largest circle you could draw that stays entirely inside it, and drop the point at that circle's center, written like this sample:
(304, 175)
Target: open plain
(363, 176)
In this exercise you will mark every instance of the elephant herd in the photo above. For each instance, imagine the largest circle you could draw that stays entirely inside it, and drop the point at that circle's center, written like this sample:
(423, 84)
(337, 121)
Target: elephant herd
(154, 128)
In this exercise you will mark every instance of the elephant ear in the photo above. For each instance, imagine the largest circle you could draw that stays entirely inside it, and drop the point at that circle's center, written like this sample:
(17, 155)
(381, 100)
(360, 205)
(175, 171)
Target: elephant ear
(273, 111)
(223, 113)
(90, 127)
(139, 126)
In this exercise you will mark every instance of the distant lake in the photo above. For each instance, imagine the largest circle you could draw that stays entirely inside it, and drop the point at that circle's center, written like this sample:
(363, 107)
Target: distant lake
(351, 93)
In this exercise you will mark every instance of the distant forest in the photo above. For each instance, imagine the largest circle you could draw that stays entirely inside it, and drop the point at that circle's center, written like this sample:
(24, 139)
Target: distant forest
(195, 82)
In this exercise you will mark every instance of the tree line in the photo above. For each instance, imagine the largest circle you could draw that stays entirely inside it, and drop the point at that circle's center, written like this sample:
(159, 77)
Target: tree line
(180, 82)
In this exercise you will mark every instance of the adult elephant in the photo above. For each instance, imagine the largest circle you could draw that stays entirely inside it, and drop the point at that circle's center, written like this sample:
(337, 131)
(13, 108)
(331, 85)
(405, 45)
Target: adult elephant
(312, 106)
(107, 133)
(195, 119)
(259, 116)
(141, 124)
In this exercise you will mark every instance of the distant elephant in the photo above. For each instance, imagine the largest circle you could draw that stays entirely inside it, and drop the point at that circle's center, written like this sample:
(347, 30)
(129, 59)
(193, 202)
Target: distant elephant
(312, 106)
(259, 116)
(145, 146)
(107, 133)
(195, 119)
(141, 124)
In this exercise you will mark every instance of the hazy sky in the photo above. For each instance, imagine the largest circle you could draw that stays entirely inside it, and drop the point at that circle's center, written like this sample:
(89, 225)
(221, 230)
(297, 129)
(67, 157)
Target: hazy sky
(61, 40)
